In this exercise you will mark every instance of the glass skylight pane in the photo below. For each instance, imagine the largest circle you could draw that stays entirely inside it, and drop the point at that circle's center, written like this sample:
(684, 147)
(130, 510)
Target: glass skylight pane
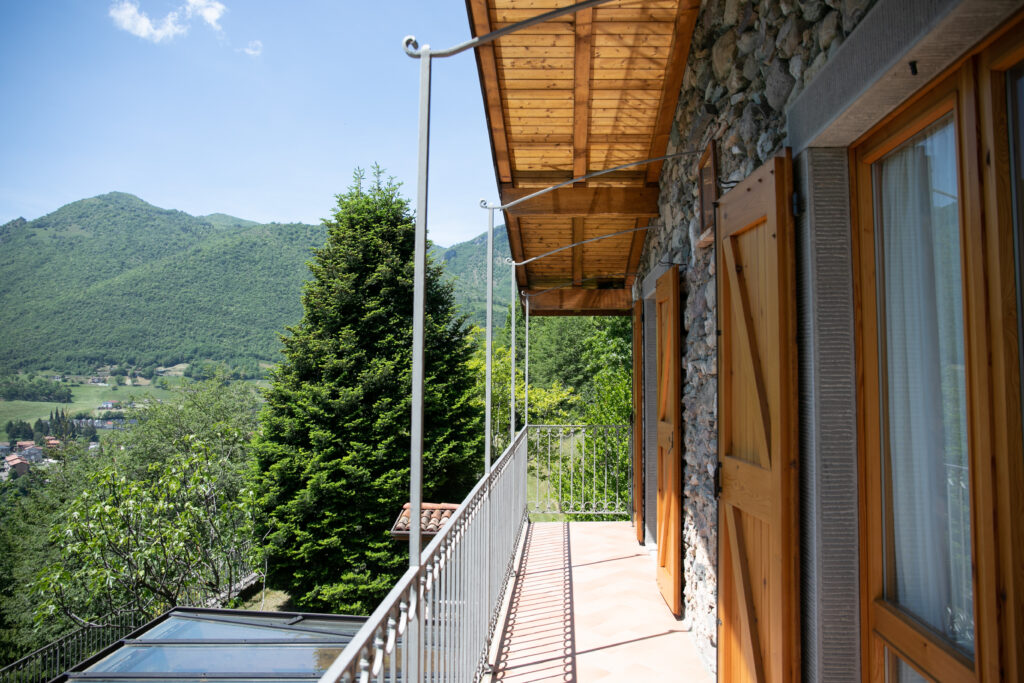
(249, 658)
(176, 628)
(283, 679)
(342, 626)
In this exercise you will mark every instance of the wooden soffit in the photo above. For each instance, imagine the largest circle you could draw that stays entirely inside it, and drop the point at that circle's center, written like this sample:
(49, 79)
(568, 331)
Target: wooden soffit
(581, 93)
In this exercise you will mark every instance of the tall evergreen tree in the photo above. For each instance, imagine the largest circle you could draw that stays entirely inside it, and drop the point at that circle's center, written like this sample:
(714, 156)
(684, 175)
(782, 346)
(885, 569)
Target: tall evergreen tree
(334, 450)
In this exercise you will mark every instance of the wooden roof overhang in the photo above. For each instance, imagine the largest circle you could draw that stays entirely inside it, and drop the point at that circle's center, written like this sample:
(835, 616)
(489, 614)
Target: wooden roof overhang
(580, 93)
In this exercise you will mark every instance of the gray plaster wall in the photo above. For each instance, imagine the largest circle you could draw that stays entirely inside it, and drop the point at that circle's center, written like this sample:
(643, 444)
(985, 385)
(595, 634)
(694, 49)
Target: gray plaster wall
(828, 419)
(871, 74)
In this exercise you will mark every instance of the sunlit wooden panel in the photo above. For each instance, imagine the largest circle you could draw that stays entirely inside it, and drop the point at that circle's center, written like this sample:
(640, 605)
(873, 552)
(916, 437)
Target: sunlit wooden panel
(580, 93)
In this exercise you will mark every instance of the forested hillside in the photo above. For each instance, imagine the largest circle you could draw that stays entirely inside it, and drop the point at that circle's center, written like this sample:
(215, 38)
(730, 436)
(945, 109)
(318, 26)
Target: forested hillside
(466, 264)
(113, 279)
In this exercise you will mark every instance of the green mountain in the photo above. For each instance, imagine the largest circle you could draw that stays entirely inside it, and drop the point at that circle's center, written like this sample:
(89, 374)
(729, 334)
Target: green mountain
(466, 263)
(113, 279)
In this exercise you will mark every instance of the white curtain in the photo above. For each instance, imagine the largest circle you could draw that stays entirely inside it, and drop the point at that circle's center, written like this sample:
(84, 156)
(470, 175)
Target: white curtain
(919, 258)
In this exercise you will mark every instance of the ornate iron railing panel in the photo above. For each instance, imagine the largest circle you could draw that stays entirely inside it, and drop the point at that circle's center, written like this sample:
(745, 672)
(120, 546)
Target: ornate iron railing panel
(579, 470)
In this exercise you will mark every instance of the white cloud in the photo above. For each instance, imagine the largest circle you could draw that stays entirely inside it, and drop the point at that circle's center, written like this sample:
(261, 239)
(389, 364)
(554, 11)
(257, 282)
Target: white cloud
(126, 16)
(254, 49)
(210, 10)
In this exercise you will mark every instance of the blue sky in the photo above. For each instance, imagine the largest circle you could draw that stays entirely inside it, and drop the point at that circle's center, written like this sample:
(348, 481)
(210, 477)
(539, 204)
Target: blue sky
(257, 109)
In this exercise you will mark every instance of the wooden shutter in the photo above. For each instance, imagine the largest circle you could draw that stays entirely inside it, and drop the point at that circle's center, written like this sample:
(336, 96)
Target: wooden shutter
(758, 599)
(669, 571)
(638, 419)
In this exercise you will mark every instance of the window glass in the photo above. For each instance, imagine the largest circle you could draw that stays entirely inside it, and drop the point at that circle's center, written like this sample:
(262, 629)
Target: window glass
(927, 516)
(898, 671)
(906, 674)
(1015, 120)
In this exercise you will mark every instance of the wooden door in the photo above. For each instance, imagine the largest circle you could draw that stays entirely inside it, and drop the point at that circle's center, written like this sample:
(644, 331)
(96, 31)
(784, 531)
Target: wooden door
(638, 419)
(758, 599)
(670, 451)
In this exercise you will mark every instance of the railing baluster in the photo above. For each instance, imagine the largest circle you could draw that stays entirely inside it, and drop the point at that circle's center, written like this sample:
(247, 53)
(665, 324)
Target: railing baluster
(548, 502)
(403, 632)
(602, 438)
(572, 470)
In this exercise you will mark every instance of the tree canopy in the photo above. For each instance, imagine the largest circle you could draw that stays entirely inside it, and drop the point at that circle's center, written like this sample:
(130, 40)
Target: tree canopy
(160, 514)
(334, 450)
(180, 536)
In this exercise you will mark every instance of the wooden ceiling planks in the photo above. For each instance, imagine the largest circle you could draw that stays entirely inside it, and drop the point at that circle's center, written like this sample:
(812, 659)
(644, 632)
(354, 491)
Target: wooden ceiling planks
(583, 92)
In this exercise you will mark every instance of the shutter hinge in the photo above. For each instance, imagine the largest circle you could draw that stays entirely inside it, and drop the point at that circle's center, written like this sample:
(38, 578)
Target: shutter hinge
(796, 204)
(718, 479)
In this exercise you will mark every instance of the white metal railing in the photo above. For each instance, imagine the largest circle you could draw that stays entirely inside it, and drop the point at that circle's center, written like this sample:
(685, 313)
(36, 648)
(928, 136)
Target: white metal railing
(454, 595)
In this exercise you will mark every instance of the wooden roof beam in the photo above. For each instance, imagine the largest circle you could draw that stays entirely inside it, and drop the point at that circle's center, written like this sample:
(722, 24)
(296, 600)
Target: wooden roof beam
(686, 20)
(636, 248)
(577, 251)
(487, 66)
(545, 178)
(581, 92)
(573, 301)
(515, 245)
(638, 202)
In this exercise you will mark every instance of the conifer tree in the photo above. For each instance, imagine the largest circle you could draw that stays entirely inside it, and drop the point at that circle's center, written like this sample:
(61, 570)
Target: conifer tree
(334, 449)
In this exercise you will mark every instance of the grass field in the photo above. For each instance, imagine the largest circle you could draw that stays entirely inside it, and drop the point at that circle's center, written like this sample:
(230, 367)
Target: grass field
(86, 397)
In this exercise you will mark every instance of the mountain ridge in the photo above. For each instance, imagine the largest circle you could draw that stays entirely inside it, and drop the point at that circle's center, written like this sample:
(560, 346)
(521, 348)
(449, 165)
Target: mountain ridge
(114, 279)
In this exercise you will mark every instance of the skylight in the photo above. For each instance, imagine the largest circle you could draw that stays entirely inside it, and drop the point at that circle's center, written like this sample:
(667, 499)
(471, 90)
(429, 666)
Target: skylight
(187, 644)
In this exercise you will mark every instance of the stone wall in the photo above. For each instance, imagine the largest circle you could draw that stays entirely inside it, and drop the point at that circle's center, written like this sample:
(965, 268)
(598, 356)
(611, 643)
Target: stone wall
(748, 61)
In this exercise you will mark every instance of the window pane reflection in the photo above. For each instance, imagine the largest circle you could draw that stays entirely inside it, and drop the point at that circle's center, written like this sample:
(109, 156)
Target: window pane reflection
(898, 671)
(928, 544)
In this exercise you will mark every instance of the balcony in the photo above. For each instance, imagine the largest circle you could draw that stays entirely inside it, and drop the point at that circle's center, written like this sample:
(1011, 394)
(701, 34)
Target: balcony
(584, 607)
(498, 597)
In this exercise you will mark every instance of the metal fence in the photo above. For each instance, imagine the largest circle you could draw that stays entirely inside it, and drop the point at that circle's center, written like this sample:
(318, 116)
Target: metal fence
(76, 645)
(56, 657)
(454, 596)
(579, 470)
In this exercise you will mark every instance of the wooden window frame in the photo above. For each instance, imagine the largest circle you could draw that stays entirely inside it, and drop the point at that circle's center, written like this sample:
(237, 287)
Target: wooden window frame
(974, 91)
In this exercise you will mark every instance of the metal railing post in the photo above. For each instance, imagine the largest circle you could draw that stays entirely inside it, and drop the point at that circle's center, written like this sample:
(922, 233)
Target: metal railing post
(418, 305)
(489, 337)
(488, 493)
(512, 353)
(526, 369)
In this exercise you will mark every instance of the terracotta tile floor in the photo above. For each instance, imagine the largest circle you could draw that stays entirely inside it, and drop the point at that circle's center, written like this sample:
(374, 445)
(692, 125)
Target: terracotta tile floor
(585, 607)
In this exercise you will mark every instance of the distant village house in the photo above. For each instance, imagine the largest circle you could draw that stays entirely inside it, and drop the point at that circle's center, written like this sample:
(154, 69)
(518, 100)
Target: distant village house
(15, 463)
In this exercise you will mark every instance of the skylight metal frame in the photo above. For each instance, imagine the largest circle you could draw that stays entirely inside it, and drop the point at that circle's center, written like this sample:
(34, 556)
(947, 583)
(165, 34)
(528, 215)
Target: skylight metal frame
(135, 639)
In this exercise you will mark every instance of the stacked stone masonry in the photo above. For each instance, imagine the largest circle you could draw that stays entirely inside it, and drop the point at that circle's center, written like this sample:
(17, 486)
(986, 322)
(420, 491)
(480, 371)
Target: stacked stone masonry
(748, 61)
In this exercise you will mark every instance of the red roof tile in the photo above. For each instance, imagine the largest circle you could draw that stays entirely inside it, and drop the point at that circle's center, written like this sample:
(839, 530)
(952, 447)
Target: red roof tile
(433, 516)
